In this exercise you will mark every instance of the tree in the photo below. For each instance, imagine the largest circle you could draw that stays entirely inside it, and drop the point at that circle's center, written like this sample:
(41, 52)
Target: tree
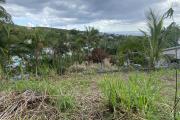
(38, 45)
(156, 37)
(77, 43)
(98, 55)
(110, 43)
(92, 38)
(4, 16)
(132, 51)
(173, 31)
(61, 47)
(8, 43)
(33, 46)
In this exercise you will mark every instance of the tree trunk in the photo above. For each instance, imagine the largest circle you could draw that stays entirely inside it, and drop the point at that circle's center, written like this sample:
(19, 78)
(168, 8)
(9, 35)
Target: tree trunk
(36, 63)
(101, 67)
(151, 64)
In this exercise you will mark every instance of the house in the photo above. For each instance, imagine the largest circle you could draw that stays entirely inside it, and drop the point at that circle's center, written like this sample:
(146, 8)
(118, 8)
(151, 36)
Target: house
(170, 57)
(171, 52)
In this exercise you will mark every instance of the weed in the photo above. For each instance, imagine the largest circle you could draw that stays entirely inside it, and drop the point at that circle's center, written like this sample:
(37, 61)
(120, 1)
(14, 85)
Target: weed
(137, 94)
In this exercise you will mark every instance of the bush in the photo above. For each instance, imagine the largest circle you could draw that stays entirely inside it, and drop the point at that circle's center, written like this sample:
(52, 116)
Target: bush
(79, 68)
(45, 70)
(62, 64)
(137, 94)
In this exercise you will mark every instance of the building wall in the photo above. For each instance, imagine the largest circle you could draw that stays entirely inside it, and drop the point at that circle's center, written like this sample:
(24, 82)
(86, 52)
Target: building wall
(172, 52)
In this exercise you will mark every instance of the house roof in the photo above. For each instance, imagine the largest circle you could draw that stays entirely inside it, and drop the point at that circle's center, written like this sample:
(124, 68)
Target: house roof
(172, 48)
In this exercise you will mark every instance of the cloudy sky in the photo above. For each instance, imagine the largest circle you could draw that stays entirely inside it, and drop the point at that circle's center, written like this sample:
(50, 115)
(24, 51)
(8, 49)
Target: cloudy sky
(112, 16)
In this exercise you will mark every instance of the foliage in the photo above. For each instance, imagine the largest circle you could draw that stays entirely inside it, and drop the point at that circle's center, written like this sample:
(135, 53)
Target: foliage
(61, 64)
(4, 16)
(132, 50)
(156, 36)
(29, 44)
(140, 93)
(98, 55)
(172, 35)
(91, 36)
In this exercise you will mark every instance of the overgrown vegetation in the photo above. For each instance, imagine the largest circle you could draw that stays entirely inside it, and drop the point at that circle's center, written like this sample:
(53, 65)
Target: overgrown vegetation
(59, 49)
(129, 96)
(138, 93)
(48, 72)
(62, 99)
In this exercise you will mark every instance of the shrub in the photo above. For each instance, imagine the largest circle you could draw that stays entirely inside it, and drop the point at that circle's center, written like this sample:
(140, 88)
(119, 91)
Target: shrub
(97, 56)
(62, 64)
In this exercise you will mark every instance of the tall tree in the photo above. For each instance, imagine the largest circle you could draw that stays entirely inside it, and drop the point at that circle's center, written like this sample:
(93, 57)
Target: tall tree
(5, 17)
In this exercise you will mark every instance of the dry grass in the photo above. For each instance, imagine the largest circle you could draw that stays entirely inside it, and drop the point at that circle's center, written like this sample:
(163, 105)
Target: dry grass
(27, 106)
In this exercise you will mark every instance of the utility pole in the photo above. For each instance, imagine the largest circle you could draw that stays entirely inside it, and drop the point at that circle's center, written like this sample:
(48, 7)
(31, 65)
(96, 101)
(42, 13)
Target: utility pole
(176, 86)
(176, 68)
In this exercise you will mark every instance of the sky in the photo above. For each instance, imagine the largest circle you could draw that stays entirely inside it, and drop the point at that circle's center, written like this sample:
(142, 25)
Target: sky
(110, 16)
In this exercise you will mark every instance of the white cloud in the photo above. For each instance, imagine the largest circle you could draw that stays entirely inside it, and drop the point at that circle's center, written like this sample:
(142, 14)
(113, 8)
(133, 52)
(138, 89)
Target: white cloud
(112, 26)
(29, 24)
(107, 17)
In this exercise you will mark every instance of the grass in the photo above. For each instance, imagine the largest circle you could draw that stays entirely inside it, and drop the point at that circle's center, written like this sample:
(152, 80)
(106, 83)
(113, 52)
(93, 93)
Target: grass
(63, 100)
(141, 94)
(137, 95)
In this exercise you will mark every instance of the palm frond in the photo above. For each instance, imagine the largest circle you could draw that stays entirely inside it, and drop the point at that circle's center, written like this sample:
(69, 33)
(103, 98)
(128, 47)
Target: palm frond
(169, 13)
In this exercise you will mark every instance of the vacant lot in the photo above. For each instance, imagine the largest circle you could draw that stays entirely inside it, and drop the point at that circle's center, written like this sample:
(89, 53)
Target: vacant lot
(126, 96)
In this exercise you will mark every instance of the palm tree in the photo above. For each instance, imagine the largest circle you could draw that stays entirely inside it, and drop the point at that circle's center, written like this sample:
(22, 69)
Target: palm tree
(156, 33)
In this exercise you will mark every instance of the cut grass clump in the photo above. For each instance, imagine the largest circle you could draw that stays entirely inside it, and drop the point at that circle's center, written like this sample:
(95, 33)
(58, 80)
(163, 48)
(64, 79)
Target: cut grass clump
(27, 105)
(138, 94)
(62, 100)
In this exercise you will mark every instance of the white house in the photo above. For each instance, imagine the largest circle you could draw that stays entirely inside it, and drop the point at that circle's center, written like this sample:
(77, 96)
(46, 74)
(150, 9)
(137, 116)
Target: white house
(169, 57)
(171, 52)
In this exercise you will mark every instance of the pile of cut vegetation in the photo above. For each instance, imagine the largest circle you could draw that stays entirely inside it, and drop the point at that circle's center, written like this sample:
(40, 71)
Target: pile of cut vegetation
(27, 105)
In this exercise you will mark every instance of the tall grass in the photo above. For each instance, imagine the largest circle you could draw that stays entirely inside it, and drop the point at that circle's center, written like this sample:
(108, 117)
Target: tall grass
(138, 94)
